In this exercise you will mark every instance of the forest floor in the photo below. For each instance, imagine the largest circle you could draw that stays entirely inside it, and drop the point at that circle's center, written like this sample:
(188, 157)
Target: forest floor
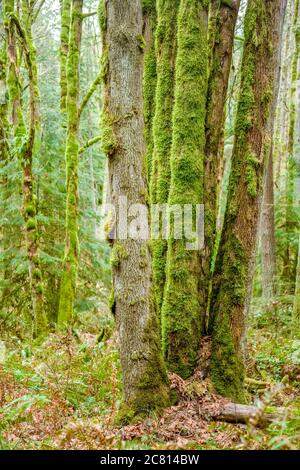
(64, 394)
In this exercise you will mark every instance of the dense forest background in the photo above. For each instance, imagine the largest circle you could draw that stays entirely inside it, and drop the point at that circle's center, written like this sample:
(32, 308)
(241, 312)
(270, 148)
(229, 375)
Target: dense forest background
(129, 344)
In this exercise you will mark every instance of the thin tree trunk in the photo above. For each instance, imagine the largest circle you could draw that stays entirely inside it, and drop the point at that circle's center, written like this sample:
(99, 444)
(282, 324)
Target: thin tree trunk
(69, 278)
(267, 225)
(65, 6)
(15, 29)
(4, 157)
(144, 375)
(268, 255)
(184, 302)
(162, 130)
(233, 278)
(296, 309)
(288, 266)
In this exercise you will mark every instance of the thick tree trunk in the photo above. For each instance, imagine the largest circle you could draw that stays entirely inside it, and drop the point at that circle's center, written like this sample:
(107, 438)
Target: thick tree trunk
(69, 278)
(162, 129)
(233, 278)
(184, 302)
(144, 375)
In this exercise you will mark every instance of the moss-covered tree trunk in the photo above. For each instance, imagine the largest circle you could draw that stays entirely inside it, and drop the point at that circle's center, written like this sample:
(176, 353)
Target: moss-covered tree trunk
(149, 12)
(24, 140)
(144, 375)
(69, 277)
(184, 302)
(65, 6)
(233, 277)
(223, 17)
(165, 45)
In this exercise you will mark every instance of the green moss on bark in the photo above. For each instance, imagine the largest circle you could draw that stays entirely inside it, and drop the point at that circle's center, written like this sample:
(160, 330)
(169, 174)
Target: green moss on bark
(182, 307)
(150, 77)
(64, 45)
(233, 275)
(165, 45)
(69, 277)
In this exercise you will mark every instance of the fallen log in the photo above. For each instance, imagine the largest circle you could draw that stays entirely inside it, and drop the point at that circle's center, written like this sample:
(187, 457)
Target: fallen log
(244, 414)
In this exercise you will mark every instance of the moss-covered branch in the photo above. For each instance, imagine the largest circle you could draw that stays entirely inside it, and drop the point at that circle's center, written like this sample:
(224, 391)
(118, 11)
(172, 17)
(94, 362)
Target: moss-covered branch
(90, 93)
(89, 143)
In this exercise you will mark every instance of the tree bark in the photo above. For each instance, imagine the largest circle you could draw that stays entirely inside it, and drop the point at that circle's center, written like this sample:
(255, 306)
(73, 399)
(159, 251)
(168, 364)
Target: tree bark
(268, 244)
(236, 413)
(184, 302)
(69, 277)
(150, 78)
(144, 375)
(65, 6)
(222, 40)
(232, 284)
(25, 139)
(167, 11)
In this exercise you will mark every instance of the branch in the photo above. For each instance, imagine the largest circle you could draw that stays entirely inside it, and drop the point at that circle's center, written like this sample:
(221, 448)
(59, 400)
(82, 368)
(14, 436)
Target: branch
(89, 143)
(236, 413)
(89, 94)
(87, 15)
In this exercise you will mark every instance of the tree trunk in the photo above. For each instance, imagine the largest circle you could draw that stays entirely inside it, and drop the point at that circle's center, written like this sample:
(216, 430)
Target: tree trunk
(184, 302)
(268, 255)
(296, 310)
(25, 139)
(144, 375)
(65, 6)
(232, 284)
(69, 278)
(288, 265)
(267, 225)
(162, 130)
(149, 12)
(4, 157)
(222, 41)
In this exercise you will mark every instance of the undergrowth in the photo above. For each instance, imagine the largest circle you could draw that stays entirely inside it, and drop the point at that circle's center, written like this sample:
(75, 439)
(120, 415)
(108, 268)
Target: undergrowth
(64, 393)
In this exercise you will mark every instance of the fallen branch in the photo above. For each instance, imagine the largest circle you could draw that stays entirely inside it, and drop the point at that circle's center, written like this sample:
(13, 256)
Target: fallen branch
(244, 414)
